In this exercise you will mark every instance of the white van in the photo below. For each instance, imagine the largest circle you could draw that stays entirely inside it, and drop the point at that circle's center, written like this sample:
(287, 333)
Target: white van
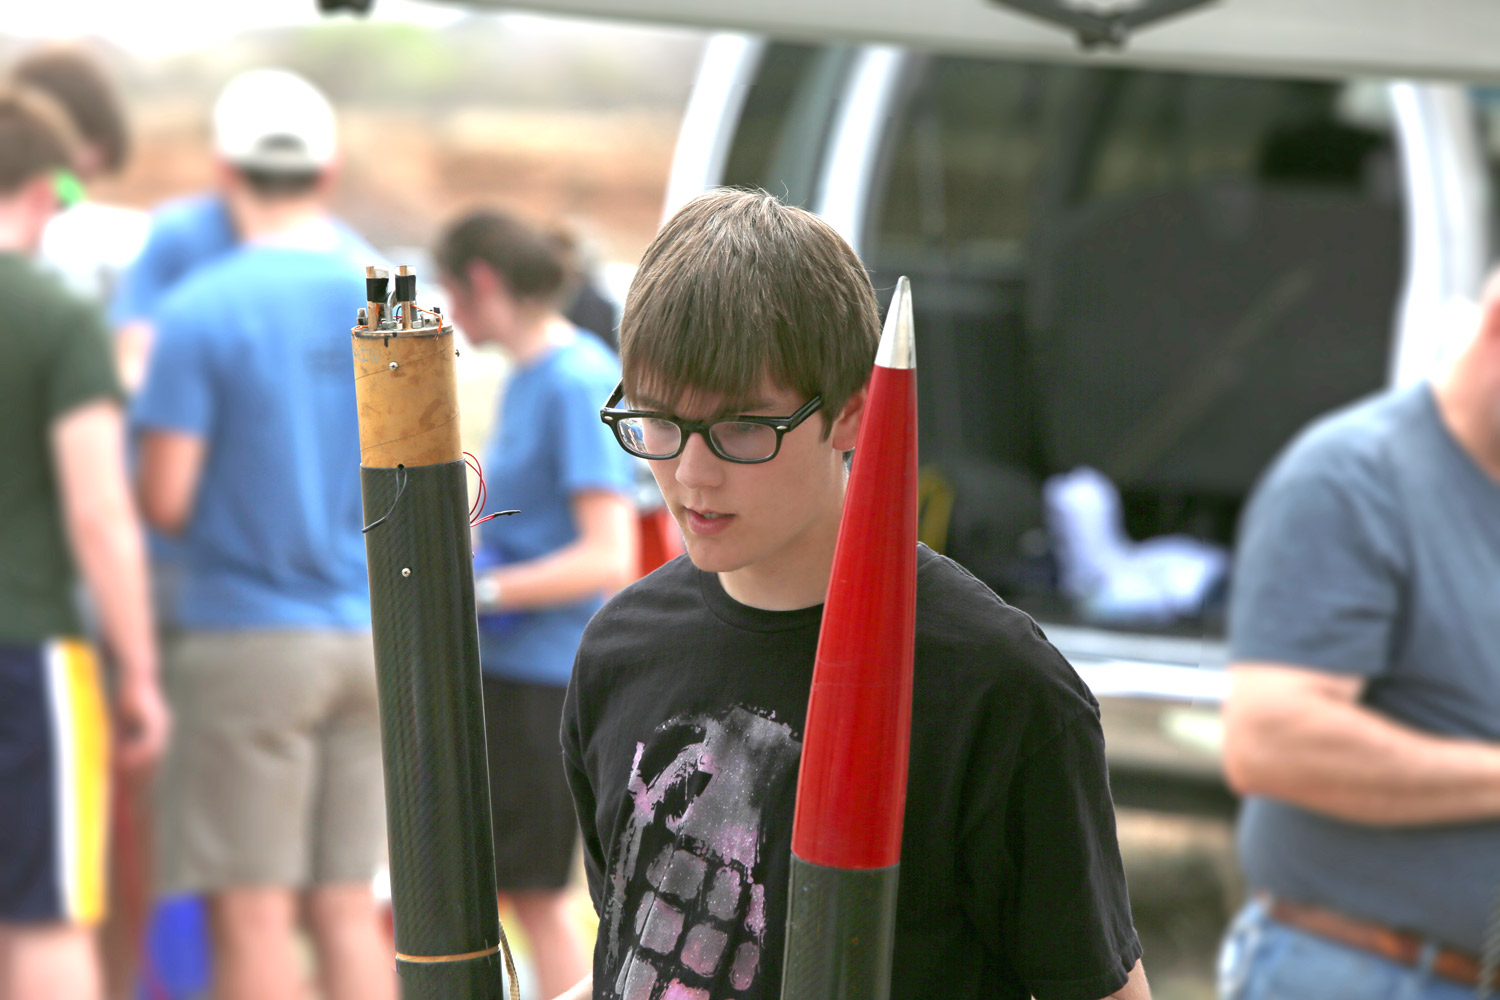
(1158, 263)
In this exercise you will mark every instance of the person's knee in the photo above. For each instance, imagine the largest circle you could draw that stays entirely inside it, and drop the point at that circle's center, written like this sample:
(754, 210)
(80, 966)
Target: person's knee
(341, 909)
(252, 914)
(48, 960)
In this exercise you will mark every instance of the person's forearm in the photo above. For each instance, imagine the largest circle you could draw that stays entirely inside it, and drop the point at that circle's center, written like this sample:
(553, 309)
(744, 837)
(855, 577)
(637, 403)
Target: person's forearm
(104, 533)
(110, 553)
(569, 574)
(1349, 762)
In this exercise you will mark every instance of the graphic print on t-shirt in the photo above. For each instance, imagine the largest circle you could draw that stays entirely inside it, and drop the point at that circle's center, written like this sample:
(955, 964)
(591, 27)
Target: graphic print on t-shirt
(686, 913)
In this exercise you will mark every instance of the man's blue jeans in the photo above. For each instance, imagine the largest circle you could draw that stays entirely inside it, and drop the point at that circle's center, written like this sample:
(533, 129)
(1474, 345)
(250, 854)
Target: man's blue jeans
(1263, 960)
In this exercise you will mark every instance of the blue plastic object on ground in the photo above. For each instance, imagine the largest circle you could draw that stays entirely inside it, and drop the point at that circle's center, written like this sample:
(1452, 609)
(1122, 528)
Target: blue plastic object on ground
(177, 961)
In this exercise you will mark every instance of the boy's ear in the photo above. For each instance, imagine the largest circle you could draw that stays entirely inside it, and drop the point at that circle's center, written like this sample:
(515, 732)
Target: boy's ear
(845, 430)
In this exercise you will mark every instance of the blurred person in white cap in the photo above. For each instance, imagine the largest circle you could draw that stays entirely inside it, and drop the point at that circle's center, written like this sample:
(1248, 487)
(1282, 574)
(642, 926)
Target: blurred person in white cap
(271, 794)
(265, 120)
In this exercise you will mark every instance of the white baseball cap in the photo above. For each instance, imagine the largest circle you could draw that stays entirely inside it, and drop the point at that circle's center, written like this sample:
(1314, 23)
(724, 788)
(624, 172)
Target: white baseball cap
(272, 119)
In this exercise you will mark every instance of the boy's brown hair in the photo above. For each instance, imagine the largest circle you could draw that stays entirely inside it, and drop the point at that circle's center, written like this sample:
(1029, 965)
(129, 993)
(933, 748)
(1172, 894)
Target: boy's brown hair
(74, 80)
(36, 138)
(529, 261)
(738, 287)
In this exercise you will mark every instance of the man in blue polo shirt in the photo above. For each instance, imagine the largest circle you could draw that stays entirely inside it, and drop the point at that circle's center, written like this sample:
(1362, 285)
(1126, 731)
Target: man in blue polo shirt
(250, 453)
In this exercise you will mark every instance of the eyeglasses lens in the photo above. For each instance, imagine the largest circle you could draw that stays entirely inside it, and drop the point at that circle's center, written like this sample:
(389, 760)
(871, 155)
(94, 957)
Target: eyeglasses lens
(649, 437)
(748, 442)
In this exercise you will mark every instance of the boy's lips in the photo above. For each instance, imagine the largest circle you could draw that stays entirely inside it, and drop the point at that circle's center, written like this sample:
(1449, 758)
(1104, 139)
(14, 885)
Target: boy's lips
(706, 522)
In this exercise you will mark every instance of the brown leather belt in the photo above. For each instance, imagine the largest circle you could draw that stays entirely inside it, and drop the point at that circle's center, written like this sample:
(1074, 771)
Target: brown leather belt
(1401, 947)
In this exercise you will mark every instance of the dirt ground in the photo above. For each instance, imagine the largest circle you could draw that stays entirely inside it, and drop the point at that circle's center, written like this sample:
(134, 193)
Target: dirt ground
(1184, 885)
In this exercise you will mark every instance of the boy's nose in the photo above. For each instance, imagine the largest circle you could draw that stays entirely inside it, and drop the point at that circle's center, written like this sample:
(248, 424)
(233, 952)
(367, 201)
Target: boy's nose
(698, 466)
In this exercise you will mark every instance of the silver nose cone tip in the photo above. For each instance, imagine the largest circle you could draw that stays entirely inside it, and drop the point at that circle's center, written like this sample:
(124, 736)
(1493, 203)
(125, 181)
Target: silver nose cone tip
(898, 349)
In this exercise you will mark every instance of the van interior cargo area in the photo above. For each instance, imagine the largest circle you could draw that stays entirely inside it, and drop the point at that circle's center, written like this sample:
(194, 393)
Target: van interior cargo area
(1162, 276)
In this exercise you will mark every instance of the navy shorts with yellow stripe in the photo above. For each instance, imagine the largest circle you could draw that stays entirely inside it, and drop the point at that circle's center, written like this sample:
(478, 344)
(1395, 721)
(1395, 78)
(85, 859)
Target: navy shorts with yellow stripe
(54, 783)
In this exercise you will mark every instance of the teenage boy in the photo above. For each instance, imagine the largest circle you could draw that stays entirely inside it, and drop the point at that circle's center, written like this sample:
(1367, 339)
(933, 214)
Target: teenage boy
(683, 722)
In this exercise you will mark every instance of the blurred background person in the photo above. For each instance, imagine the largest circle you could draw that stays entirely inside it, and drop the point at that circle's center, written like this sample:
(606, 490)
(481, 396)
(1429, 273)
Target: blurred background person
(1364, 717)
(583, 303)
(250, 451)
(88, 243)
(541, 574)
(65, 511)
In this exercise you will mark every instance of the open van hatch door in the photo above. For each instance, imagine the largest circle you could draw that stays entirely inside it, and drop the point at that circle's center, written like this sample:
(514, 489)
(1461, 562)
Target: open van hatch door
(1308, 38)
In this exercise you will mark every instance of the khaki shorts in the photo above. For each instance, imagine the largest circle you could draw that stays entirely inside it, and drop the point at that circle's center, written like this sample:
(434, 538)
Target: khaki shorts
(273, 777)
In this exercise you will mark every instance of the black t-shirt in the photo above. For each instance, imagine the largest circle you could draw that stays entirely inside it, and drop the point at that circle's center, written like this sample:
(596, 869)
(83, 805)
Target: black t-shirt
(682, 733)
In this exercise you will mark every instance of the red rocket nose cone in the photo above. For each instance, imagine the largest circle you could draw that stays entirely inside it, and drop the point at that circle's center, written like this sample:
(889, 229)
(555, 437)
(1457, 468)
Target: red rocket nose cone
(897, 345)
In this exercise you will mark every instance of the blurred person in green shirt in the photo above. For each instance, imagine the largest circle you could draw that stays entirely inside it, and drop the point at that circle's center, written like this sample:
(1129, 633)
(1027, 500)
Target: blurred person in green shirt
(65, 512)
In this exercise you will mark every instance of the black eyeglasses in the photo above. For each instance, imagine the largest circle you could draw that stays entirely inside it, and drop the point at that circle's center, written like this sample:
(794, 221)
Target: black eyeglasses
(743, 439)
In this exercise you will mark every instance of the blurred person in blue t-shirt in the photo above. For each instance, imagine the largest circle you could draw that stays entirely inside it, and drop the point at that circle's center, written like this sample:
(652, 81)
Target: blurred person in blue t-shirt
(543, 573)
(271, 793)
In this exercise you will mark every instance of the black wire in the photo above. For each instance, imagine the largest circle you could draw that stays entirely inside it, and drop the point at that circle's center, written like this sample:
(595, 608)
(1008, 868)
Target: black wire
(400, 489)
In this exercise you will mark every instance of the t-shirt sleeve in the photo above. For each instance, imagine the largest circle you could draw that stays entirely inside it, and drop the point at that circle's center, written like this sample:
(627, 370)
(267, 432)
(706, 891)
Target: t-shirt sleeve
(1318, 569)
(83, 368)
(590, 458)
(177, 394)
(1064, 922)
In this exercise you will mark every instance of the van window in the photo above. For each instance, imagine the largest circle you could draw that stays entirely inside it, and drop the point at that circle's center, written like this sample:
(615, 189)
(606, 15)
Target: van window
(1486, 101)
(1158, 131)
(786, 118)
(963, 166)
(1162, 276)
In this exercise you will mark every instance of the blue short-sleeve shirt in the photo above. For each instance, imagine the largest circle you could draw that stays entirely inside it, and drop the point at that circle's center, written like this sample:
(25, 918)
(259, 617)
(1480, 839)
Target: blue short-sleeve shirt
(252, 355)
(548, 446)
(184, 235)
(1372, 550)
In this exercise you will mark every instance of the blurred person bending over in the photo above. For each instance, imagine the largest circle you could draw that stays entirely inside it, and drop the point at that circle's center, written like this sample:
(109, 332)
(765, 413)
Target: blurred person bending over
(65, 511)
(250, 452)
(89, 244)
(1363, 722)
(543, 573)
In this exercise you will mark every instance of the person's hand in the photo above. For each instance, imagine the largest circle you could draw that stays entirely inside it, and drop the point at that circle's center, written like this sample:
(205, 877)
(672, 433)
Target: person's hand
(143, 723)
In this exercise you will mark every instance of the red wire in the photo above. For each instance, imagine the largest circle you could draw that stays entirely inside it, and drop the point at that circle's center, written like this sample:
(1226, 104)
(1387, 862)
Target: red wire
(481, 497)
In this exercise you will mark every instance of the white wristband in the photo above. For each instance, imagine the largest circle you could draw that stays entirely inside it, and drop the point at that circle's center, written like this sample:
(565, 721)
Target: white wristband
(487, 592)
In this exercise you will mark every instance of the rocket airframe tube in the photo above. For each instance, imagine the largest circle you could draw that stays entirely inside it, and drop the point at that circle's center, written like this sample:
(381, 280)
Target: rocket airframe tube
(851, 789)
(426, 656)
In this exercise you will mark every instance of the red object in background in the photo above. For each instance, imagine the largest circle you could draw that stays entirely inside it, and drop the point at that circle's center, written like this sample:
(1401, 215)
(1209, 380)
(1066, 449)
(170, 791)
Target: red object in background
(660, 540)
(851, 791)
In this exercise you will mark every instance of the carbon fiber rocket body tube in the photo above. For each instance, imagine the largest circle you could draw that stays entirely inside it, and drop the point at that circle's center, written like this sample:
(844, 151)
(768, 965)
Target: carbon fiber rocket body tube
(432, 731)
(427, 661)
(840, 932)
(851, 786)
